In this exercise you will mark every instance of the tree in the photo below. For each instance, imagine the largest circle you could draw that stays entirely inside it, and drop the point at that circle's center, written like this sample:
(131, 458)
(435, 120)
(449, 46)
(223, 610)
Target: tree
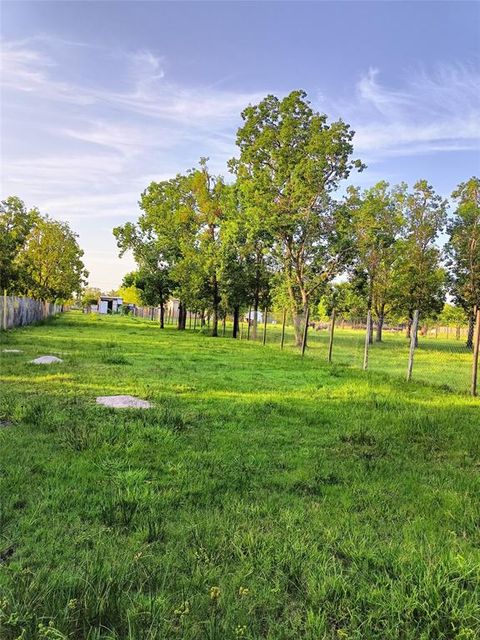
(207, 193)
(50, 261)
(167, 227)
(463, 250)
(346, 299)
(290, 162)
(377, 224)
(129, 293)
(418, 275)
(15, 225)
(235, 265)
(152, 281)
(89, 296)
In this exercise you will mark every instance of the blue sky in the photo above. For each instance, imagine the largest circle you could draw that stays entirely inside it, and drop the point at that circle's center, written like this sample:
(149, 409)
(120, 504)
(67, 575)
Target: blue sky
(100, 98)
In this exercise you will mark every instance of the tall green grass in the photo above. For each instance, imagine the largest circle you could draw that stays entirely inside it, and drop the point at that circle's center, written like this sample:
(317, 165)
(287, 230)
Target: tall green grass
(264, 496)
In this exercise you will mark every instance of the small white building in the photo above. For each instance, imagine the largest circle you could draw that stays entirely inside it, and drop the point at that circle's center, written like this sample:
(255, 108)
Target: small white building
(250, 316)
(109, 304)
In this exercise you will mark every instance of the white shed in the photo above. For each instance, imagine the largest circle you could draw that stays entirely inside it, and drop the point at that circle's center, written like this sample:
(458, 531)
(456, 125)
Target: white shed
(109, 304)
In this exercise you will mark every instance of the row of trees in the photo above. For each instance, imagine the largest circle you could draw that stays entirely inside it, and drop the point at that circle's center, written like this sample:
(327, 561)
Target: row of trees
(277, 236)
(39, 257)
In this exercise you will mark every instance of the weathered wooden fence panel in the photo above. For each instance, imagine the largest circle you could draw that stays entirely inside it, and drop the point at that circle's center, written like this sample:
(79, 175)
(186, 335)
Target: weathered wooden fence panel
(18, 311)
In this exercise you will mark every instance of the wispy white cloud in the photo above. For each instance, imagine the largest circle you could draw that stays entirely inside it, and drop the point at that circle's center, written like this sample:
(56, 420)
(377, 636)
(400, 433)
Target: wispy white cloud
(101, 143)
(438, 111)
(29, 69)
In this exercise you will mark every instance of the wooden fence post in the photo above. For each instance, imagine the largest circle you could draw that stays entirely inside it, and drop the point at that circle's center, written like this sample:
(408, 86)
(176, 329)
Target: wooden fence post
(332, 329)
(265, 314)
(367, 340)
(305, 330)
(476, 345)
(413, 342)
(284, 319)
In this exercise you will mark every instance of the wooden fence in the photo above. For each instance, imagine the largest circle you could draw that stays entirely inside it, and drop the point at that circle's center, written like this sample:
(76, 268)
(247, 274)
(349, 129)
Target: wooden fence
(18, 311)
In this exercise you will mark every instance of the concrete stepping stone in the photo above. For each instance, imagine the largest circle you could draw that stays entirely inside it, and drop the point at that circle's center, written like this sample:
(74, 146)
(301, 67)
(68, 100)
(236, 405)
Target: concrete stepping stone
(46, 360)
(123, 402)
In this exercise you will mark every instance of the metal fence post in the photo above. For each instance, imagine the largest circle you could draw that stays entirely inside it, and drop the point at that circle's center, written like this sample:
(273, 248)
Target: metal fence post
(413, 342)
(367, 340)
(305, 330)
(332, 329)
(476, 345)
(283, 328)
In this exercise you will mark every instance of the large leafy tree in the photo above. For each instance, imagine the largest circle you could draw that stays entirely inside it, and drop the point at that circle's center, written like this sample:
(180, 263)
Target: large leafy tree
(153, 278)
(291, 160)
(50, 262)
(419, 276)
(463, 249)
(162, 239)
(377, 224)
(16, 222)
(208, 199)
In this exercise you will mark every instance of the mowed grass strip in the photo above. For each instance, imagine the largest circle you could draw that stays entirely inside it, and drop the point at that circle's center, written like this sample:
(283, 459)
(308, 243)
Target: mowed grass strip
(264, 496)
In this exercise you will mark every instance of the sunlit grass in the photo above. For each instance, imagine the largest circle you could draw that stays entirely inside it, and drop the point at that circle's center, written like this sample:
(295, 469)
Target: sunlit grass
(264, 496)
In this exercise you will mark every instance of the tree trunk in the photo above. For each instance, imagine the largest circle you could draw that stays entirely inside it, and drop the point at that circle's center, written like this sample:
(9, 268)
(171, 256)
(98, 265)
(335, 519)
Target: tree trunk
(409, 327)
(162, 316)
(236, 318)
(299, 315)
(184, 319)
(215, 301)
(297, 326)
(255, 315)
(180, 315)
(380, 321)
(202, 318)
(471, 331)
(370, 325)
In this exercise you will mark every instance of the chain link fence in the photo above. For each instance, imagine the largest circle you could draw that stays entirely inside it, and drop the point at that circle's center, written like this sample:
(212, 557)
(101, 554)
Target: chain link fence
(440, 356)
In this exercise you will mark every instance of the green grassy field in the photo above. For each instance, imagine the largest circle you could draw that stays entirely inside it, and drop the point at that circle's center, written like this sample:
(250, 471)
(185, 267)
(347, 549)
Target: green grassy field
(264, 496)
(443, 362)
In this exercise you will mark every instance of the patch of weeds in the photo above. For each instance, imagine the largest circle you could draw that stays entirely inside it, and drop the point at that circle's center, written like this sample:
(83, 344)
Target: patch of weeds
(154, 527)
(37, 412)
(359, 438)
(115, 358)
(129, 496)
(77, 435)
(6, 554)
(335, 371)
(365, 447)
(314, 485)
(110, 354)
(172, 419)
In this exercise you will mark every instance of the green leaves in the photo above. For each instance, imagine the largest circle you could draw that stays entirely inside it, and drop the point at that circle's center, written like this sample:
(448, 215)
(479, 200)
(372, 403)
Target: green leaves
(291, 160)
(50, 262)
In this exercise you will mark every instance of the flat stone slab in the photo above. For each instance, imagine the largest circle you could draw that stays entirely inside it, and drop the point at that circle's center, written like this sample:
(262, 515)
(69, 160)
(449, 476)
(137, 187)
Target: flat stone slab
(12, 351)
(123, 402)
(46, 360)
